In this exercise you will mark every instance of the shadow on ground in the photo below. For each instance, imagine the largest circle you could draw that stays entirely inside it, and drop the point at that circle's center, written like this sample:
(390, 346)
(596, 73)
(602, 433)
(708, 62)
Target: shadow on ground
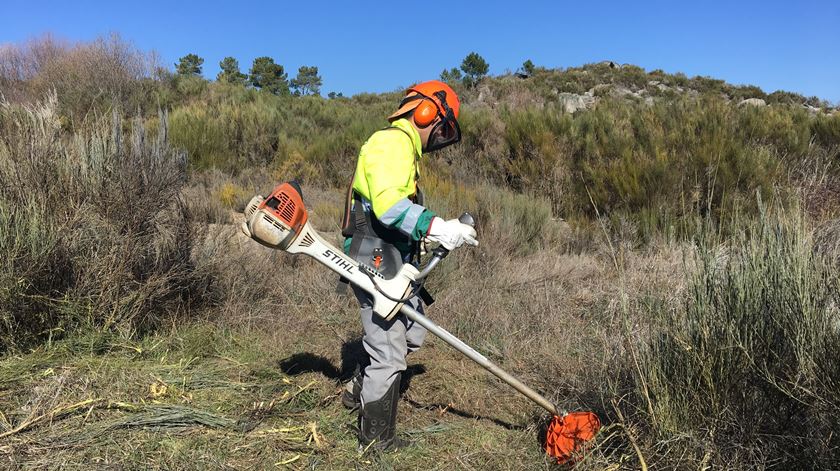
(462, 413)
(353, 357)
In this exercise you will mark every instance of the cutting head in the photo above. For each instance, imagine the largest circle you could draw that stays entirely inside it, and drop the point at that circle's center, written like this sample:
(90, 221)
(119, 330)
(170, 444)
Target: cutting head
(567, 435)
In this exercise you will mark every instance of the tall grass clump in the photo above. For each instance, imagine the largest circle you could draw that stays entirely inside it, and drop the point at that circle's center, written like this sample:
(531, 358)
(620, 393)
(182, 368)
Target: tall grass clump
(745, 372)
(93, 231)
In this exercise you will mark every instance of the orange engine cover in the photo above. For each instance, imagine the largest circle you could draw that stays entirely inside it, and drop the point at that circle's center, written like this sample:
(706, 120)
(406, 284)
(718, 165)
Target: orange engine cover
(286, 204)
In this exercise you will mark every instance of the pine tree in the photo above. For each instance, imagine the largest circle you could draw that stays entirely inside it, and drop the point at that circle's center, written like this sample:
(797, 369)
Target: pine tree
(451, 76)
(189, 65)
(307, 81)
(528, 67)
(230, 72)
(475, 68)
(269, 76)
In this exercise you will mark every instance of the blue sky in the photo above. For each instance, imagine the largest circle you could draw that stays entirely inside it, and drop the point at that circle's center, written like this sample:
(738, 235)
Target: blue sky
(379, 46)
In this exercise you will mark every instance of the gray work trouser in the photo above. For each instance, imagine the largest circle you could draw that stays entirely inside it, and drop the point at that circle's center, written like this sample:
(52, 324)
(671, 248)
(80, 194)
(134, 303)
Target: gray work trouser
(387, 343)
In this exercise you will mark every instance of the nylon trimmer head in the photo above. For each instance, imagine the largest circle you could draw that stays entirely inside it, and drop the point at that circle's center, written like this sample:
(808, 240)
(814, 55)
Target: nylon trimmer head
(281, 222)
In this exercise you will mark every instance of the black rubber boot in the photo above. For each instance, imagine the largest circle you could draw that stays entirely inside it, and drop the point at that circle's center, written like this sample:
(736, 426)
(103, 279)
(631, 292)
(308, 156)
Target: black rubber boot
(351, 395)
(378, 422)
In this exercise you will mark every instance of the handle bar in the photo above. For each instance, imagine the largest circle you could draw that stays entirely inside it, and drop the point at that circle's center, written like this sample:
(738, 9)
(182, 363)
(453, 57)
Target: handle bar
(441, 252)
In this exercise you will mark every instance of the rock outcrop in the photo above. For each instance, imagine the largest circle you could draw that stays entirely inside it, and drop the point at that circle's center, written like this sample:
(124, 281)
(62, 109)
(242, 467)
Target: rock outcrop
(572, 102)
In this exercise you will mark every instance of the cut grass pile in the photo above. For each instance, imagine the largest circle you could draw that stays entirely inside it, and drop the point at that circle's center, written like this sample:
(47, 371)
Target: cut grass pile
(205, 397)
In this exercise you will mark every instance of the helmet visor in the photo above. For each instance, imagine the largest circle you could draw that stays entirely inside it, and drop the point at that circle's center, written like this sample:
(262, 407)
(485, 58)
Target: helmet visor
(446, 132)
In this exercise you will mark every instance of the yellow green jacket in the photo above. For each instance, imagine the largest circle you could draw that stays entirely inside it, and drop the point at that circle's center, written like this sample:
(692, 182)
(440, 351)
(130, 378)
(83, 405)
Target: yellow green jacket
(386, 177)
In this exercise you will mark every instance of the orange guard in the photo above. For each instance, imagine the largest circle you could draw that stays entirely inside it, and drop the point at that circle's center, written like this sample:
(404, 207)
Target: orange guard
(566, 435)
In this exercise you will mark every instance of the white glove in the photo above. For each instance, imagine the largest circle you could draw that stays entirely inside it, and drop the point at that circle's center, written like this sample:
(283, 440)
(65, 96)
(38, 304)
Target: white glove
(451, 234)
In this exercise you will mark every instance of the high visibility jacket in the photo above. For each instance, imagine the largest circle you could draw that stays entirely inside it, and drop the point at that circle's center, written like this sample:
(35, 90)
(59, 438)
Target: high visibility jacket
(386, 178)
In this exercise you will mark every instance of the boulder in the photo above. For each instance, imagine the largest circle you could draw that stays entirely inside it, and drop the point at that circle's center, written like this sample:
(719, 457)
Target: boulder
(619, 91)
(484, 94)
(659, 85)
(812, 110)
(597, 89)
(572, 102)
(613, 90)
(752, 102)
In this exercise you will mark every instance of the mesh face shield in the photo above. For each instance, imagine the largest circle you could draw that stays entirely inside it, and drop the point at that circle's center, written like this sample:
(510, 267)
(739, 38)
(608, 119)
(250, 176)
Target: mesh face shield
(446, 131)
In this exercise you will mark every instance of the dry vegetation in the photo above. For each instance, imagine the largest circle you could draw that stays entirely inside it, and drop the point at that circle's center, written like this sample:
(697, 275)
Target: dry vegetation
(671, 265)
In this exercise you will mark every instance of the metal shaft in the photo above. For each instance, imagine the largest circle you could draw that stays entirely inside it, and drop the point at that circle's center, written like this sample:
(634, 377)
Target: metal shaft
(473, 355)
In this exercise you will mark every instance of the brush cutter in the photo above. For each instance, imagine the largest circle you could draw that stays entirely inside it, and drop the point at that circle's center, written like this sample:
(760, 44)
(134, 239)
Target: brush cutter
(281, 222)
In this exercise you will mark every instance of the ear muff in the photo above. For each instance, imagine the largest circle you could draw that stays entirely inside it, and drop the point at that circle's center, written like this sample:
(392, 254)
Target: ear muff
(425, 113)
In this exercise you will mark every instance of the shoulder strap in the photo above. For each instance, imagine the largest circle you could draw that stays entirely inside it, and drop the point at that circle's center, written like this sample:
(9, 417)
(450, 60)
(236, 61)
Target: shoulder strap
(417, 199)
(346, 222)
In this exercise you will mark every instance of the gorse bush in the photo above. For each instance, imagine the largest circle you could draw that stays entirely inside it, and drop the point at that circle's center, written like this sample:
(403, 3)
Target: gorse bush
(671, 159)
(232, 128)
(677, 158)
(93, 230)
(746, 369)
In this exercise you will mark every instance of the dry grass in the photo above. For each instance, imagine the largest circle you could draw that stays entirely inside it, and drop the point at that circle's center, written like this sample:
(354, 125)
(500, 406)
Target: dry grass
(550, 316)
(249, 401)
(572, 323)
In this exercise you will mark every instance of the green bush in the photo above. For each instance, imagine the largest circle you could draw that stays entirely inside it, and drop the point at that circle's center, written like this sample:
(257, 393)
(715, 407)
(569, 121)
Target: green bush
(678, 157)
(825, 130)
(231, 128)
(674, 158)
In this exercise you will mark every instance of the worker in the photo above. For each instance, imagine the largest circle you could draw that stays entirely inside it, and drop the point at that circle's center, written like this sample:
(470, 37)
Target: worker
(384, 223)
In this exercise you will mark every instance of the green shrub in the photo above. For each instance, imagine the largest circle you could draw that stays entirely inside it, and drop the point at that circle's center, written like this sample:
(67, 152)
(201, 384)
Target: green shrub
(747, 91)
(231, 129)
(28, 241)
(825, 130)
(746, 368)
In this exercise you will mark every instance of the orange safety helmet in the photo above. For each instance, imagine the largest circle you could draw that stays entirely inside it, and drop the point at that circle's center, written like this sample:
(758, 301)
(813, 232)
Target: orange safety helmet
(430, 100)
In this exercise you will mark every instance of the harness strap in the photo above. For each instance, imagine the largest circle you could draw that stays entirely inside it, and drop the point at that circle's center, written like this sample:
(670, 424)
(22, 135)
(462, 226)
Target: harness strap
(361, 225)
(418, 195)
